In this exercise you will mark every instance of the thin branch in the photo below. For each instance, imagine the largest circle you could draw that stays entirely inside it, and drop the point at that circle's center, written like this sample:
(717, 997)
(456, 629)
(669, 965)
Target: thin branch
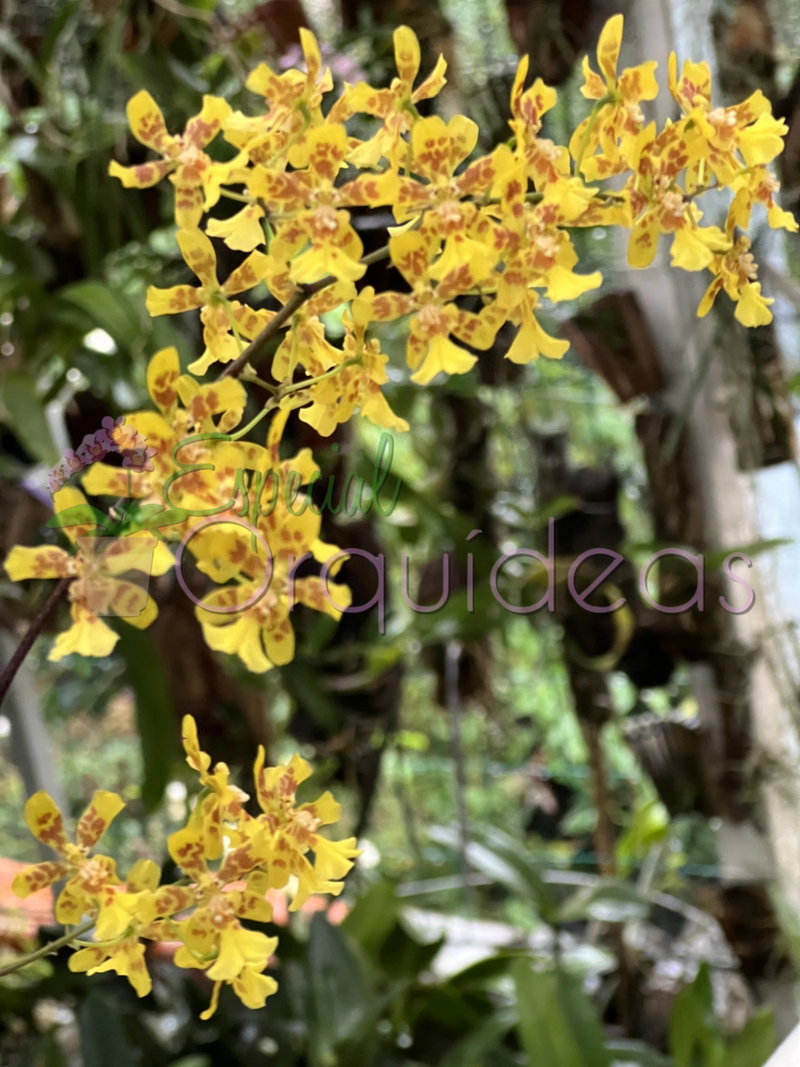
(452, 664)
(23, 648)
(604, 831)
(299, 297)
(48, 949)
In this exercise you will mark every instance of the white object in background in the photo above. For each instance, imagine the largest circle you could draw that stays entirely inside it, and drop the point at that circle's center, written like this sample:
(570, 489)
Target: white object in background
(788, 1055)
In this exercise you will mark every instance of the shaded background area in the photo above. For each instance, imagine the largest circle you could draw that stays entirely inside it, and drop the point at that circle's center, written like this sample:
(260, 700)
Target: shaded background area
(579, 832)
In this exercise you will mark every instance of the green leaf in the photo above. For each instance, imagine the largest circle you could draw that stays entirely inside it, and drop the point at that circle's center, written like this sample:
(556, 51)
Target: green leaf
(154, 713)
(755, 1044)
(488, 1036)
(501, 860)
(487, 973)
(637, 1054)
(104, 1042)
(22, 57)
(508, 849)
(715, 559)
(107, 308)
(611, 902)
(80, 515)
(27, 416)
(373, 917)
(558, 1026)
(403, 956)
(339, 1002)
(694, 1035)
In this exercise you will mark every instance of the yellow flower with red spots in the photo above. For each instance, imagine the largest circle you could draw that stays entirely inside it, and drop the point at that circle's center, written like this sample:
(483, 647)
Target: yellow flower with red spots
(617, 118)
(226, 875)
(97, 567)
(396, 106)
(184, 409)
(124, 954)
(223, 320)
(357, 385)
(732, 138)
(194, 174)
(294, 832)
(91, 883)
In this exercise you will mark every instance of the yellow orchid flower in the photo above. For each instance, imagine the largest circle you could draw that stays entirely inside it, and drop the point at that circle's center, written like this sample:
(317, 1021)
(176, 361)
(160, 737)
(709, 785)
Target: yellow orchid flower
(356, 386)
(257, 628)
(212, 937)
(294, 97)
(294, 832)
(659, 204)
(747, 131)
(194, 174)
(758, 186)
(735, 271)
(540, 159)
(223, 802)
(184, 408)
(617, 117)
(126, 957)
(429, 349)
(91, 880)
(219, 314)
(396, 106)
(97, 590)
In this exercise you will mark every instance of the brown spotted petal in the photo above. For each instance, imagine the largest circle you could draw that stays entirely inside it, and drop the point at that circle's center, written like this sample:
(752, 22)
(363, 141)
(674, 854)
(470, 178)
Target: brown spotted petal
(40, 876)
(240, 861)
(45, 822)
(94, 822)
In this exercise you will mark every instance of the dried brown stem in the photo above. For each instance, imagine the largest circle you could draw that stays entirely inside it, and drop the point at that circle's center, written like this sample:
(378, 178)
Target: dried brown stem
(299, 297)
(23, 648)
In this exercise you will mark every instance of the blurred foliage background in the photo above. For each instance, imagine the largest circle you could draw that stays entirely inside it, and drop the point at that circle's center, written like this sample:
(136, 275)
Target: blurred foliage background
(540, 882)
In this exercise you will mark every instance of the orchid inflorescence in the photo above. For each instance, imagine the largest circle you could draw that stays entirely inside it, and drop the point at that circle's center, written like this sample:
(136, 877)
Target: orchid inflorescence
(490, 232)
(480, 241)
(229, 860)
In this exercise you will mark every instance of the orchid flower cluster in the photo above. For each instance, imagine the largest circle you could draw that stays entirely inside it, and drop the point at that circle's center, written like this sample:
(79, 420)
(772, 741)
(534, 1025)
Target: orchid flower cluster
(480, 241)
(229, 860)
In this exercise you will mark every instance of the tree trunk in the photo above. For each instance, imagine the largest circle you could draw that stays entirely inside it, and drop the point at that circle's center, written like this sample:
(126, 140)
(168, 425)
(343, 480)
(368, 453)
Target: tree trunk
(738, 505)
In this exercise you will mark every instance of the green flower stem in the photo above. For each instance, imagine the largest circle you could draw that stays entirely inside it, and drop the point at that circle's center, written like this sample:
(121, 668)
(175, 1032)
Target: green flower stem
(237, 196)
(249, 375)
(309, 382)
(285, 390)
(106, 944)
(48, 949)
(269, 406)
